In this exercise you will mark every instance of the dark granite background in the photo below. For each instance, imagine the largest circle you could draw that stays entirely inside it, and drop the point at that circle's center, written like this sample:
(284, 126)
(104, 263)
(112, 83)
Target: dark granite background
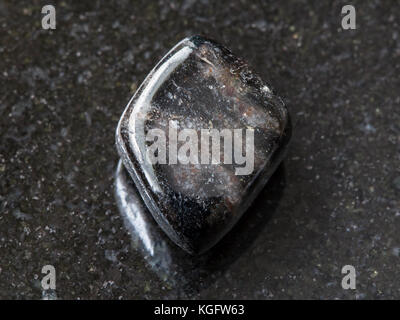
(335, 201)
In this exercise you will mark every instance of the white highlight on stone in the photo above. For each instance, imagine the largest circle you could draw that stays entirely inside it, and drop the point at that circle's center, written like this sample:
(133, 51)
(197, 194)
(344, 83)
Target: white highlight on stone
(136, 120)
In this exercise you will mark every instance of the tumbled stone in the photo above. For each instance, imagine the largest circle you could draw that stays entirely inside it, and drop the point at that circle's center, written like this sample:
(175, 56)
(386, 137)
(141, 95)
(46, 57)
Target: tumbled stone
(200, 139)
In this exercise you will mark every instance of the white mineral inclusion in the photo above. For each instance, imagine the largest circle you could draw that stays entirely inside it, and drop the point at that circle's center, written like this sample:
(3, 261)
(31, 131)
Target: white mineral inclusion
(266, 89)
(143, 104)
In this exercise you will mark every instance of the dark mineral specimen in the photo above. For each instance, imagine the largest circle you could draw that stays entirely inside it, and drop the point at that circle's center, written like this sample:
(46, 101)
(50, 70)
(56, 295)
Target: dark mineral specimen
(200, 138)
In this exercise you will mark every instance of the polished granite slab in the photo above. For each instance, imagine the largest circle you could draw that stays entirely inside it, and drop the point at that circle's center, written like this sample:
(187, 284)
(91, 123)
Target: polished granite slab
(334, 202)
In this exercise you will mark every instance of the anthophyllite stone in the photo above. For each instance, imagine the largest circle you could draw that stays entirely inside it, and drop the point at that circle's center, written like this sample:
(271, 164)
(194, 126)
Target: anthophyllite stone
(200, 139)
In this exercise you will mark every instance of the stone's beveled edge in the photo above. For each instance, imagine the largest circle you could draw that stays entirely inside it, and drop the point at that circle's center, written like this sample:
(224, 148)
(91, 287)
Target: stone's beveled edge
(137, 174)
(145, 81)
(142, 104)
(133, 167)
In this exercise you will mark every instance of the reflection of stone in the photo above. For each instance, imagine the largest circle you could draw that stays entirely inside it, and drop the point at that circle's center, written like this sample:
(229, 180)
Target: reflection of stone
(201, 85)
(170, 263)
(145, 233)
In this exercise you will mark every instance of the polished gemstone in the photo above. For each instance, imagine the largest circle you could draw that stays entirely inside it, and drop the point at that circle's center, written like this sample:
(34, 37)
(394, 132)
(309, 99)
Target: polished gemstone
(200, 139)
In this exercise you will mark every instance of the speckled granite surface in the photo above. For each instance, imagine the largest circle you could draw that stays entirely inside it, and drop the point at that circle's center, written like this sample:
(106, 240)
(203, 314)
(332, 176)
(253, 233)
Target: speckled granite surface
(335, 201)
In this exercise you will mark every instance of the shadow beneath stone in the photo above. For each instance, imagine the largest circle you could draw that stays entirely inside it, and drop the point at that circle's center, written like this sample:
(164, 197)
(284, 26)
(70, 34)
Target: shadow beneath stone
(184, 273)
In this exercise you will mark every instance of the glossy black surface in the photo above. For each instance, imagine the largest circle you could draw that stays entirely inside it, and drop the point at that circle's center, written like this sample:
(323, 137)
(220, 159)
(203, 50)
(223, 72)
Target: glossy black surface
(200, 85)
